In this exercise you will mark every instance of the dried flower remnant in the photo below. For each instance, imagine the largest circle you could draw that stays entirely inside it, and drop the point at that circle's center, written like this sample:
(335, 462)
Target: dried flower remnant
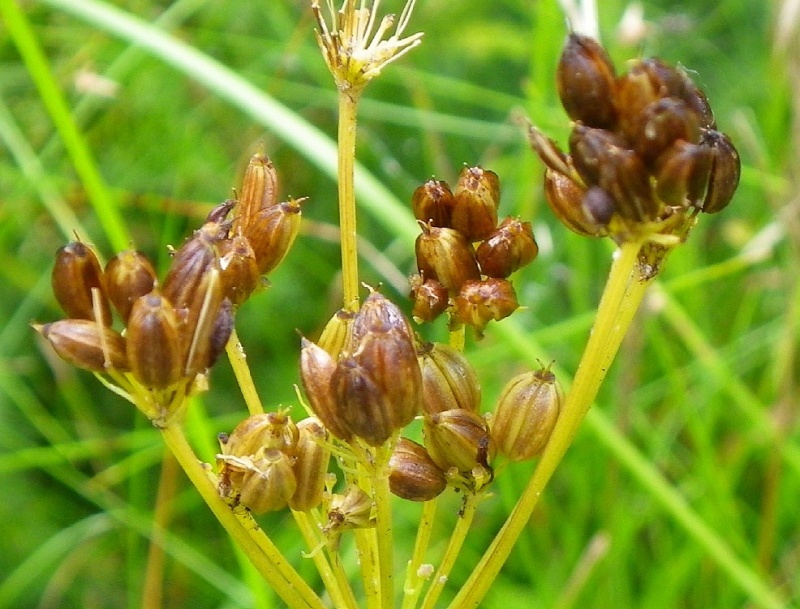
(354, 46)
(644, 154)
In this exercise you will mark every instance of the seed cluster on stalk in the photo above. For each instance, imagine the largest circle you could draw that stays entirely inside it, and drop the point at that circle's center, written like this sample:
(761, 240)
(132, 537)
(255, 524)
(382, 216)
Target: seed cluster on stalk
(645, 156)
(469, 283)
(170, 332)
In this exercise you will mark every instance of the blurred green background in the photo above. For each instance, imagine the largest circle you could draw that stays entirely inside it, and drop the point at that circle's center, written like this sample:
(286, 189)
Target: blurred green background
(694, 437)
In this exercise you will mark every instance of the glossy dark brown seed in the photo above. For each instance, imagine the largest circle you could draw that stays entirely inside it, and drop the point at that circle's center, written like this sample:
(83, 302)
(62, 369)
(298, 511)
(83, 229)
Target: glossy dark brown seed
(585, 82)
(76, 276)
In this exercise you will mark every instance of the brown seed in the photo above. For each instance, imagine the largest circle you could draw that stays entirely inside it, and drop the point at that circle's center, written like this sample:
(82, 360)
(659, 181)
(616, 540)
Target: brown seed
(191, 263)
(221, 331)
(449, 381)
(360, 403)
(86, 344)
(592, 150)
(660, 124)
(154, 349)
(240, 273)
(272, 231)
(447, 256)
(585, 82)
(316, 369)
(510, 247)
(433, 203)
(478, 302)
(565, 198)
(311, 465)
(476, 197)
(725, 171)
(389, 359)
(259, 191)
(128, 275)
(429, 297)
(526, 412)
(77, 275)
(598, 208)
(458, 438)
(412, 473)
(378, 314)
(682, 174)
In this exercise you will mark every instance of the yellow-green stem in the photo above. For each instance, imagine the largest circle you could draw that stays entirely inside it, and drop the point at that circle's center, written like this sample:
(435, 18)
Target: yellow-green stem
(286, 582)
(241, 371)
(383, 517)
(366, 547)
(413, 583)
(621, 298)
(348, 108)
(341, 597)
(465, 517)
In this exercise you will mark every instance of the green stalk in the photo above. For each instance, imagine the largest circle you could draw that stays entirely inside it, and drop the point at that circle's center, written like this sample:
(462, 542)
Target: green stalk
(348, 108)
(241, 371)
(52, 97)
(281, 576)
(383, 517)
(465, 518)
(342, 596)
(620, 300)
(413, 584)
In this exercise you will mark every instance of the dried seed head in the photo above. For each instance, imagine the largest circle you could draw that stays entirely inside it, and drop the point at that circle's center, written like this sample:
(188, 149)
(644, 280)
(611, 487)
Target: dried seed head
(682, 174)
(316, 368)
(449, 381)
(311, 465)
(351, 509)
(433, 203)
(154, 349)
(510, 247)
(272, 231)
(240, 274)
(259, 190)
(585, 82)
(447, 256)
(260, 432)
(458, 438)
(128, 275)
(526, 412)
(76, 275)
(412, 473)
(478, 302)
(477, 195)
(725, 171)
(429, 298)
(86, 344)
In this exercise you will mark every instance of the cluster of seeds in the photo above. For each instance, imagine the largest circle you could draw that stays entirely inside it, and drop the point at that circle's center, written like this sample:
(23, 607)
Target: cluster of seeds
(169, 333)
(644, 153)
(469, 283)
